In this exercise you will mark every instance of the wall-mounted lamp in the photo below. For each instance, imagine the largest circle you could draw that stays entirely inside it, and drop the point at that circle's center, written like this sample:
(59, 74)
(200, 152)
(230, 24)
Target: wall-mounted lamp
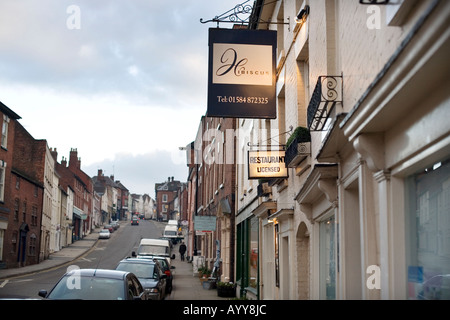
(302, 14)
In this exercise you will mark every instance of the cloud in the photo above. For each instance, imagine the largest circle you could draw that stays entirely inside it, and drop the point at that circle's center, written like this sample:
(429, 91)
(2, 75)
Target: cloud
(132, 79)
(164, 41)
(139, 173)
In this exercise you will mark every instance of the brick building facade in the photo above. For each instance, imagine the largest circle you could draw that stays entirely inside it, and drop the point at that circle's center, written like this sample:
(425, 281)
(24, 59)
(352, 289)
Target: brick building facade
(357, 218)
(165, 194)
(211, 193)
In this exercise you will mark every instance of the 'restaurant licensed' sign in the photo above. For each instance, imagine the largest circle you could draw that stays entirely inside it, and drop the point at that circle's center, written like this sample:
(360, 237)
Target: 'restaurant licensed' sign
(241, 73)
(267, 164)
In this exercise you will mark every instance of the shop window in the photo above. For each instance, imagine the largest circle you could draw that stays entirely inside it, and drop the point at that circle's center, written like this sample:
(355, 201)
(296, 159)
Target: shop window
(327, 259)
(428, 218)
(247, 254)
(253, 252)
(277, 253)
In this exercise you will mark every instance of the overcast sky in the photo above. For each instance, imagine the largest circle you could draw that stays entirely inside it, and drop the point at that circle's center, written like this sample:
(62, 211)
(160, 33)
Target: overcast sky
(123, 81)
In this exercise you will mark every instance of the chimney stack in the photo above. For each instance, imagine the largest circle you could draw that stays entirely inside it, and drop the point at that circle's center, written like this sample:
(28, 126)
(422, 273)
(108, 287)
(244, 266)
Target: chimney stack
(54, 153)
(73, 159)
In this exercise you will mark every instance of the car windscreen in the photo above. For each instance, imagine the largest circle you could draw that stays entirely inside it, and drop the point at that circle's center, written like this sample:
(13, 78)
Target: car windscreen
(153, 250)
(75, 287)
(141, 270)
(163, 263)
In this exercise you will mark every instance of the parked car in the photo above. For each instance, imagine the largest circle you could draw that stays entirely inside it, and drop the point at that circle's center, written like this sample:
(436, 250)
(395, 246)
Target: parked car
(115, 224)
(149, 273)
(109, 227)
(104, 234)
(167, 269)
(134, 220)
(97, 284)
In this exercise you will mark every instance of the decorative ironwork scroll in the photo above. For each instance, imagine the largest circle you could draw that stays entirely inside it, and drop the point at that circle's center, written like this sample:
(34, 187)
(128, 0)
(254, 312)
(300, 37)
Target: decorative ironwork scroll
(239, 14)
(327, 93)
(244, 14)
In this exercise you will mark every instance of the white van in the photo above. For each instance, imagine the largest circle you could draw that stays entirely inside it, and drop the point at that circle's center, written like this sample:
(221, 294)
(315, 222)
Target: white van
(170, 231)
(154, 247)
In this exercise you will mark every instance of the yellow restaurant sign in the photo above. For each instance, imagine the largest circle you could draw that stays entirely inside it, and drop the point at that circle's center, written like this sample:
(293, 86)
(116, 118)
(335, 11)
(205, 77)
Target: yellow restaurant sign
(267, 164)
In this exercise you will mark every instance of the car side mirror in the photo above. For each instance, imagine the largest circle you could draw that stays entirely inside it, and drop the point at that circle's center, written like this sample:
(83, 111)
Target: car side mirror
(42, 293)
(133, 254)
(139, 297)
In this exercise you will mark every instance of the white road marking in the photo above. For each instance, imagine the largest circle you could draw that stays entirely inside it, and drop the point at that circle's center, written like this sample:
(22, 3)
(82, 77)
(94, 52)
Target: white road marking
(4, 283)
(24, 280)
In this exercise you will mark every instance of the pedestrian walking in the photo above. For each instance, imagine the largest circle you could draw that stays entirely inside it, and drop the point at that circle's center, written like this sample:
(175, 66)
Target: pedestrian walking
(182, 250)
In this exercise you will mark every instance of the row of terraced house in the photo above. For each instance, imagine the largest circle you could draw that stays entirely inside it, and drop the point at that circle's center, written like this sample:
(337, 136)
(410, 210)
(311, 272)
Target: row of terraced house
(364, 212)
(46, 205)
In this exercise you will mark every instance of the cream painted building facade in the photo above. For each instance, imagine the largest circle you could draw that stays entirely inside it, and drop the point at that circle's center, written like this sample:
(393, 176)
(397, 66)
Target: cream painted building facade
(364, 213)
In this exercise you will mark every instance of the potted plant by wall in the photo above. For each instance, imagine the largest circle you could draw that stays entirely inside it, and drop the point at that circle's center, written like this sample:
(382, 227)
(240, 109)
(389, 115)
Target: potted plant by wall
(226, 289)
(298, 147)
(201, 271)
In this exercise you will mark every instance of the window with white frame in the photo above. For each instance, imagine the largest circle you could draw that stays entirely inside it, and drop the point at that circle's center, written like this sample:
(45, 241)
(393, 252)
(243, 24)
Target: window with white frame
(2, 180)
(4, 142)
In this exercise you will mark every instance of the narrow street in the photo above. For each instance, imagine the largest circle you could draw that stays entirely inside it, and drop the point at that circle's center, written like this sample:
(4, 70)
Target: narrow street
(104, 255)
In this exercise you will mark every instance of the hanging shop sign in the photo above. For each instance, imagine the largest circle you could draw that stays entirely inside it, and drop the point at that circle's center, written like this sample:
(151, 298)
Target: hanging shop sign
(241, 73)
(267, 164)
(205, 223)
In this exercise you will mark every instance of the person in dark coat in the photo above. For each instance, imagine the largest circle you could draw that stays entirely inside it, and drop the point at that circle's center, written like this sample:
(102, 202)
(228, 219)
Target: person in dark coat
(182, 250)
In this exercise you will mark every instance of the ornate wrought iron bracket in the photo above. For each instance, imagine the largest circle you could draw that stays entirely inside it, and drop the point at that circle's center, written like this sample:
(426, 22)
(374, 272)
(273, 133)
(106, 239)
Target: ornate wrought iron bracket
(327, 93)
(240, 14)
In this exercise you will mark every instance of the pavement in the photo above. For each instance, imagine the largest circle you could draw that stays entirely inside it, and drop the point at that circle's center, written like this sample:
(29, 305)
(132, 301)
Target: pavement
(57, 259)
(186, 285)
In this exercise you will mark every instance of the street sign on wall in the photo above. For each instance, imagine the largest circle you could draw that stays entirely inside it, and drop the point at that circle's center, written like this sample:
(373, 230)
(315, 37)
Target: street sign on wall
(205, 223)
(267, 164)
(241, 73)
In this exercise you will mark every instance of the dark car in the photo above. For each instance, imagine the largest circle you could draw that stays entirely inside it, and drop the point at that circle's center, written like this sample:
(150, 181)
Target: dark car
(134, 220)
(97, 284)
(166, 267)
(109, 227)
(149, 273)
(115, 224)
